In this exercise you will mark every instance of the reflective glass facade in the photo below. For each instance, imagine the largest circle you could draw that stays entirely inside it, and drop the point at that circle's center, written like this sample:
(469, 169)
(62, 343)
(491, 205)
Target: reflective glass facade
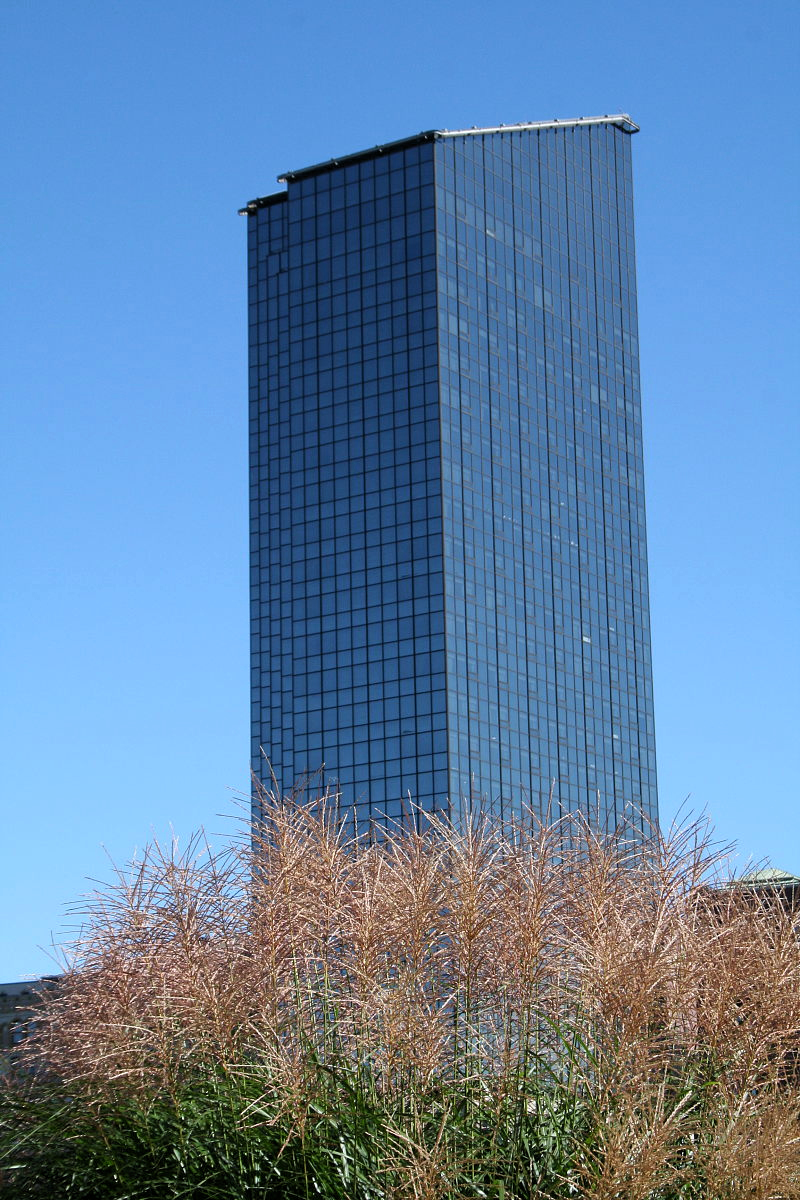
(449, 575)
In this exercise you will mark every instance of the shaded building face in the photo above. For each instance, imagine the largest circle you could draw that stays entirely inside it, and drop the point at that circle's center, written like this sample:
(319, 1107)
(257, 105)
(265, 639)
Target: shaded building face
(449, 577)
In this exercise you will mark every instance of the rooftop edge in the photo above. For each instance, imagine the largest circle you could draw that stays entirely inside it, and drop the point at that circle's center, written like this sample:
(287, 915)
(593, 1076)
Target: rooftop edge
(622, 121)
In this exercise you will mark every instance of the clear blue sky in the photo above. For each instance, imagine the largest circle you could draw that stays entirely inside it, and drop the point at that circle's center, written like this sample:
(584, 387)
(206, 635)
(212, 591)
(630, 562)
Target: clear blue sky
(136, 129)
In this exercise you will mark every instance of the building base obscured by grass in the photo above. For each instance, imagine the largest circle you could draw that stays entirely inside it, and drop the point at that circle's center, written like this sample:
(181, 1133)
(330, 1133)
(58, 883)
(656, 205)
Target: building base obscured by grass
(506, 1011)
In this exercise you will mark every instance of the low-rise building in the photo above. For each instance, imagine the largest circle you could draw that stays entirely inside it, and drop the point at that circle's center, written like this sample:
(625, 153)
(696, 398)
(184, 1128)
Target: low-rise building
(18, 1005)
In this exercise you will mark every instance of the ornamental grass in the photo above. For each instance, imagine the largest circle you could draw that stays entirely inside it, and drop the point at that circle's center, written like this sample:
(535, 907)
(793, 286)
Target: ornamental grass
(509, 1009)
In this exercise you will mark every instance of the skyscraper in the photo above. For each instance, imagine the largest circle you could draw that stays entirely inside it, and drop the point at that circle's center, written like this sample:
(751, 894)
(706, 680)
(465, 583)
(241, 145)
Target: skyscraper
(449, 574)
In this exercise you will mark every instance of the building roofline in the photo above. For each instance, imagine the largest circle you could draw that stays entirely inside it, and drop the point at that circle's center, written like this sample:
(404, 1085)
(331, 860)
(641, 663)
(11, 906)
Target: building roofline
(416, 139)
(620, 120)
(262, 202)
(27, 984)
(767, 877)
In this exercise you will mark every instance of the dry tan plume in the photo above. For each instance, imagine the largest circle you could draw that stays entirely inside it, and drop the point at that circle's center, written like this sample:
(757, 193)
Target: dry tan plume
(485, 956)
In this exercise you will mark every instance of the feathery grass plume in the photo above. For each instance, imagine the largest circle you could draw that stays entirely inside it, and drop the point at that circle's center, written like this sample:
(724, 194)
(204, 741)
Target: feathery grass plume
(507, 1008)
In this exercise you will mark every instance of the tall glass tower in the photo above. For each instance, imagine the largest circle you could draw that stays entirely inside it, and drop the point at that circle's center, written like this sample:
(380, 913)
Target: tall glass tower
(448, 556)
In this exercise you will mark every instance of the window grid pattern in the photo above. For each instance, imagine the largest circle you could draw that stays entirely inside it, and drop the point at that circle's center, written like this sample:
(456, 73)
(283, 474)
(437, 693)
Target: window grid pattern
(347, 588)
(548, 647)
(449, 576)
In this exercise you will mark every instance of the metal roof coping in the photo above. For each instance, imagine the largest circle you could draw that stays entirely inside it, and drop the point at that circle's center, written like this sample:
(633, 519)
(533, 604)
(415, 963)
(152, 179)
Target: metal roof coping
(622, 120)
